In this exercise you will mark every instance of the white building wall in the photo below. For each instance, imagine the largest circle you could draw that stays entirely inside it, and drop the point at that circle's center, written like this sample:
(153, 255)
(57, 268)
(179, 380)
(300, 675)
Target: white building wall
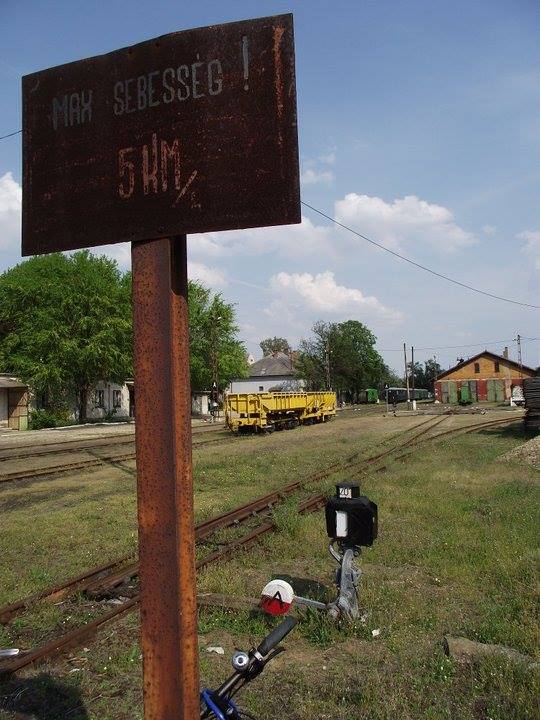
(262, 384)
(95, 412)
(199, 404)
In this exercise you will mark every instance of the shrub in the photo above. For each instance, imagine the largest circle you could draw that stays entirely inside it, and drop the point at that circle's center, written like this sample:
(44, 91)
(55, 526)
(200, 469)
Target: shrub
(40, 419)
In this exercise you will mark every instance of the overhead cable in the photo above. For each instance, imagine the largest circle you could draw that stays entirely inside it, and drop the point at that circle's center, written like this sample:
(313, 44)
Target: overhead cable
(419, 265)
(3, 137)
(457, 347)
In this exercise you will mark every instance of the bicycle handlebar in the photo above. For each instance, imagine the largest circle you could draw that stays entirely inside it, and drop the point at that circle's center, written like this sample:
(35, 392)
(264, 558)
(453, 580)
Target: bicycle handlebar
(276, 636)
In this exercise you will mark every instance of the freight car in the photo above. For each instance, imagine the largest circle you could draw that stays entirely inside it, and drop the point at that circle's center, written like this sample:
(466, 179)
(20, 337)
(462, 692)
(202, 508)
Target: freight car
(368, 396)
(266, 412)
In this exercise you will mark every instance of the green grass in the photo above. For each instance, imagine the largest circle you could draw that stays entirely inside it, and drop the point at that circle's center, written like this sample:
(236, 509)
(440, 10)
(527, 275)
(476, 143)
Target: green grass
(457, 554)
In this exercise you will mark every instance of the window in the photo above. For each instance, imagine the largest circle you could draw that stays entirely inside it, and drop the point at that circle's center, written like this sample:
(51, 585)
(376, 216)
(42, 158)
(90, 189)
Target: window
(99, 398)
(261, 388)
(476, 367)
(116, 398)
(496, 363)
(42, 400)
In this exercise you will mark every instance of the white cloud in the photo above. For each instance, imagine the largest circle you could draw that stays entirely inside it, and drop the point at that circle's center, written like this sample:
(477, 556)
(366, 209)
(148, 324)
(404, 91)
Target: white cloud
(322, 295)
(10, 213)
(211, 276)
(407, 221)
(312, 177)
(531, 248)
(489, 230)
(290, 241)
(328, 159)
(121, 252)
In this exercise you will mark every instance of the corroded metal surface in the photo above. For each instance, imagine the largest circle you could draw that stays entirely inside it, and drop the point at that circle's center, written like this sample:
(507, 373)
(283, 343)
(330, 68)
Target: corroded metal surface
(164, 480)
(190, 132)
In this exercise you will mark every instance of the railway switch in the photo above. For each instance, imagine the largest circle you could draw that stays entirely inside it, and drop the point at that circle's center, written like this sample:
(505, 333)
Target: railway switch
(351, 523)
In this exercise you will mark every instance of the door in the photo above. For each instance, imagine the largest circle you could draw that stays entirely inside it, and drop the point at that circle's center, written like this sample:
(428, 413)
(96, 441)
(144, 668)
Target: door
(499, 390)
(491, 390)
(472, 390)
(444, 392)
(131, 391)
(452, 392)
(18, 409)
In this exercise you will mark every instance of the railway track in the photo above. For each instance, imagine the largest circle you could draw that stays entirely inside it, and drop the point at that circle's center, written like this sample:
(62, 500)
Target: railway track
(121, 567)
(18, 452)
(61, 468)
(104, 580)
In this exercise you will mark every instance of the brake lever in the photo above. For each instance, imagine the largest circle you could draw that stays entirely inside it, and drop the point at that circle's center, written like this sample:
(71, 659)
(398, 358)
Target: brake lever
(254, 670)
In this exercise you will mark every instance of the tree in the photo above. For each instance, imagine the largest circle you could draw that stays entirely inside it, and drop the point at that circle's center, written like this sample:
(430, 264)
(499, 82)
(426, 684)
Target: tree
(341, 356)
(275, 344)
(214, 346)
(424, 377)
(65, 324)
(432, 370)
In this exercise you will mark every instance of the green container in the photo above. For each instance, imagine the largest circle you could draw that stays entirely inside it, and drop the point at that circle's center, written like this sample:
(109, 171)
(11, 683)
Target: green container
(465, 395)
(372, 396)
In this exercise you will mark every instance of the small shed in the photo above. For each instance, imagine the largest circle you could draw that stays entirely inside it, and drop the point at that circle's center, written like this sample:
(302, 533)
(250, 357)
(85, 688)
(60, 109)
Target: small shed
(13, 402)
(486, 377)
(200, 403)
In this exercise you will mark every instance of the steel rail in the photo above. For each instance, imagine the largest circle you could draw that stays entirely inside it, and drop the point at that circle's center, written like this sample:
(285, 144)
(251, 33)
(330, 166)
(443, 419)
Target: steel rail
(81, 444)
(75, 637)
(452, 431)
(104, 459)
(32, 473)
(122, 567)
(313, 503)
(93, 578)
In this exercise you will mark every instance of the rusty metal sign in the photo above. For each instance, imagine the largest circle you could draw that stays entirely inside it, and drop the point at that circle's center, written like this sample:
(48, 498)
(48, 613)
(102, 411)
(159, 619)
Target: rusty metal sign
(190, 132)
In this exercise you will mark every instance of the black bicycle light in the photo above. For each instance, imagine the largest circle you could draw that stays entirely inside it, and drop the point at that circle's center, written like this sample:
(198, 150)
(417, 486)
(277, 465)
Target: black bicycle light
(351, 518)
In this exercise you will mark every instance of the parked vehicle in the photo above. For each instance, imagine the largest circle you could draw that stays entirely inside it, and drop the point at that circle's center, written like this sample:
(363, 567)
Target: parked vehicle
(266, 412)
(370, 395)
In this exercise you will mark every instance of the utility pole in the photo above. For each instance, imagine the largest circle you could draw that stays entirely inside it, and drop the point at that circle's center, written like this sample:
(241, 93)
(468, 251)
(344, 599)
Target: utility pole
(327, 364)
(214, 361)
(412, 372)
(520, 359)
(406, 375)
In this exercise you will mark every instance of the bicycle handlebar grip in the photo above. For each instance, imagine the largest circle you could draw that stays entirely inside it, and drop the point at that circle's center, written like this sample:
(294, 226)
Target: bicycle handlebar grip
(276, 636)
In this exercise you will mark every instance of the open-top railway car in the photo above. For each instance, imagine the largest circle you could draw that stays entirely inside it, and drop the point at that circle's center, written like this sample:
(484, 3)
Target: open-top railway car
(266, 412)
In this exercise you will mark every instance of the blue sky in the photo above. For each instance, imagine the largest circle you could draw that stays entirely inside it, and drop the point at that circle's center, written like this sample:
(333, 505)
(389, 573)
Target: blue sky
(419, 125)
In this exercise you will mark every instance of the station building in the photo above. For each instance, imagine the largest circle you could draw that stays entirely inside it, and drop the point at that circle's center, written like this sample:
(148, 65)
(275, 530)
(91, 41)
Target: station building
(272, 373)
(486, 377)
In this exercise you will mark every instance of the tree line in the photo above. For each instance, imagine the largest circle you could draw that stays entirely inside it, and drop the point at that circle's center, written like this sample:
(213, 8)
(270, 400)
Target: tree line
(342, 356)
(66, 324)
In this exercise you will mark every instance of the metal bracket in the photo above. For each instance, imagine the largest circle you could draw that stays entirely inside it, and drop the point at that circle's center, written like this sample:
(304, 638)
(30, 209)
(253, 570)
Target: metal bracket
(347, 578)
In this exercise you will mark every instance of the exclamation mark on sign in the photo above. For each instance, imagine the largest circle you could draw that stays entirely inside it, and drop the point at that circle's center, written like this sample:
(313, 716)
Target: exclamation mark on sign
(245, 55)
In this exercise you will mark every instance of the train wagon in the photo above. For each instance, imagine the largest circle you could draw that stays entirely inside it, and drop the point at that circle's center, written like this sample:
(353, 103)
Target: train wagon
(269, 411)
(370, 395)
(399, 395)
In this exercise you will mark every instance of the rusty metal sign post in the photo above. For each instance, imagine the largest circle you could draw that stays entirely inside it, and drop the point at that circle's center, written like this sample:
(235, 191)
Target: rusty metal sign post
(190, 132)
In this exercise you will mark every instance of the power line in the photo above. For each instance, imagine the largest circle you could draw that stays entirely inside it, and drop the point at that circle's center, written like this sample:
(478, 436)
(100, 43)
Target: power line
(418, 265)
(394, 253)
(458, 347)
(3, 137)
